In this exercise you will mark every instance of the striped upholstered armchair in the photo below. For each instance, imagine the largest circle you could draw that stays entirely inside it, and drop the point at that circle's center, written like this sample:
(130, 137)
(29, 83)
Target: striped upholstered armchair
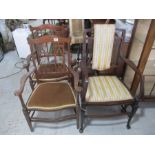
(102, 84)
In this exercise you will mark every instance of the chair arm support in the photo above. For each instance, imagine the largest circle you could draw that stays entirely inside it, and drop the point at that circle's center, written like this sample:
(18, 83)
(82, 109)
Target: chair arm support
(28, 59)
(123, 33)
(76, 79)
(133, 66)
(22, 83)
(84, 70)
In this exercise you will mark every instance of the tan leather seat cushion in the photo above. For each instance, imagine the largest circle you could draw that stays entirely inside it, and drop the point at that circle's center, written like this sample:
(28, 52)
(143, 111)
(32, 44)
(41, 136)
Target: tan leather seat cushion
(52, 96)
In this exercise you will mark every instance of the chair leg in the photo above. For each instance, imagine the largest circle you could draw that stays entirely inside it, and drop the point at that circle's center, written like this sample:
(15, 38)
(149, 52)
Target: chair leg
(82, 113)
(133, 111)
(28, 119)
(79, 52)
(77, 117)
(123, 108)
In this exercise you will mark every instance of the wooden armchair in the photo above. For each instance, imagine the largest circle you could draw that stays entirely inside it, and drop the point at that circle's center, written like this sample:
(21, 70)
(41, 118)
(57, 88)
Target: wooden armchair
(101, 82)
(42, 30)
(47, 95)
(54, 58)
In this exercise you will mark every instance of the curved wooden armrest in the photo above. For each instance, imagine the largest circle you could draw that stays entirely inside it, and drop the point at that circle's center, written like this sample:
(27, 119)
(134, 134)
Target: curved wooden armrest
(28, 59)
(133, 66)
(22, 83)
(76, 79)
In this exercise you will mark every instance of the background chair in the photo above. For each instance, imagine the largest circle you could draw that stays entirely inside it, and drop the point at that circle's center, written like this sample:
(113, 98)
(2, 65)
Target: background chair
(45, 29)
(101, 82)
(76, 29)
(54, 60)
(49, 96)
(48, 62)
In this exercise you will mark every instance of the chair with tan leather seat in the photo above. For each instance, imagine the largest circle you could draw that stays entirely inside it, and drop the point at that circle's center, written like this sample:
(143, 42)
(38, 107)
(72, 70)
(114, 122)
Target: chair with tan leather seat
(101, 82)
(49, 96)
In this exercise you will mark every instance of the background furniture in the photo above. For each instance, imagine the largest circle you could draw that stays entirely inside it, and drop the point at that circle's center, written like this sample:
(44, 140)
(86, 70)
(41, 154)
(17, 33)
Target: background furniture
(45, 29)
(55, 21)
(54, 57)
(20, 38)
(54, 61)
(76, 29)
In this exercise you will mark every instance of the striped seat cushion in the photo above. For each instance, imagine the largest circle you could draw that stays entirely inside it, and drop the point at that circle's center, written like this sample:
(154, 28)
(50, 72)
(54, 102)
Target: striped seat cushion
(106, 89)
(103, 46)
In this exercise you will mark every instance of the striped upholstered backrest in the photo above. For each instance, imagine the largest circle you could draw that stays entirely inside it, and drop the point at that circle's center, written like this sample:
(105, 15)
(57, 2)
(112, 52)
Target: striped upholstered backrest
(103, 46)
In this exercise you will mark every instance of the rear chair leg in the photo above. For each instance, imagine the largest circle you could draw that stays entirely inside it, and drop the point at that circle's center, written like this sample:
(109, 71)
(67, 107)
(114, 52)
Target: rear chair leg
(123, 108)
(77, 117)
(133, 111)
(81, 120)
(28, 119)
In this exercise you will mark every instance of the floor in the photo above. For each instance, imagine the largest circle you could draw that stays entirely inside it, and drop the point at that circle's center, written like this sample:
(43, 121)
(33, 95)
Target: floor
(12, 120)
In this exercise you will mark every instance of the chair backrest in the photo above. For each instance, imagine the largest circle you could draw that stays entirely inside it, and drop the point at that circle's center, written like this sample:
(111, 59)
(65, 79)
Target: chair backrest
(88, 52)
(103, 46)
(46, 29)
(50, 49)
(76, 29)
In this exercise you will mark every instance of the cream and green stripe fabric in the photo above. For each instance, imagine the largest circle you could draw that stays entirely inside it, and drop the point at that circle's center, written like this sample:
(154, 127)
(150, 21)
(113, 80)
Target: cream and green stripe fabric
(105, 89)
(103, 46)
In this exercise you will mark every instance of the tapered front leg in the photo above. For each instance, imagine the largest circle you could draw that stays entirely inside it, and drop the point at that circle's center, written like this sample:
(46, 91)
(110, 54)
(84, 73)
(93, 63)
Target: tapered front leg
(133, 111)
(26, 114)
(81, 120)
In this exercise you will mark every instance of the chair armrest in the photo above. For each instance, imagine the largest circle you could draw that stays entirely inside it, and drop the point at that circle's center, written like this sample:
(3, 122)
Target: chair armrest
(76, 79)
(22, 83)
(133, 66)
